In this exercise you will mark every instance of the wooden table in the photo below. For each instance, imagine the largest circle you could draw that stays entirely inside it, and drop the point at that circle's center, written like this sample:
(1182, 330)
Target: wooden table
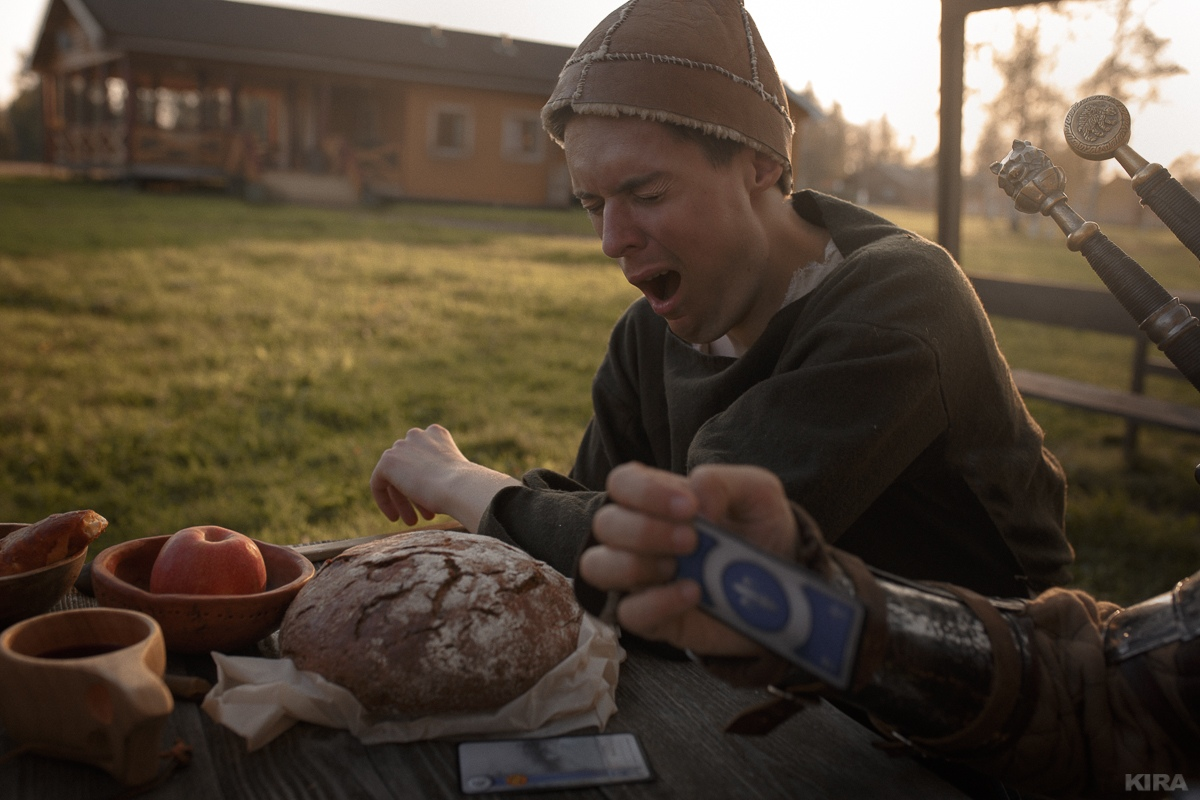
(676, 708)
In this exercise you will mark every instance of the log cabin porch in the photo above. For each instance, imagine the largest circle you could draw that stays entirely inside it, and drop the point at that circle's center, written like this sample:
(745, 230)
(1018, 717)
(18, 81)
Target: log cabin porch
(282, 103)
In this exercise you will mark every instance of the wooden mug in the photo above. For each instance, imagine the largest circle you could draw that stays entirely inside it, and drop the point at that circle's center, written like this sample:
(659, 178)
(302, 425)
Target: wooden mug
(87, 685)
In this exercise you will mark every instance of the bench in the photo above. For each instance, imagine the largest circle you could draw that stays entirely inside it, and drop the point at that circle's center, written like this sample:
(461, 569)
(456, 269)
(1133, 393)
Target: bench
(1088, 309)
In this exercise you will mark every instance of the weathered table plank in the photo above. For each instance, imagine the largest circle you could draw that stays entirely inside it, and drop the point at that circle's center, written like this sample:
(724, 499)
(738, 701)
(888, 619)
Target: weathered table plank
(675, 707)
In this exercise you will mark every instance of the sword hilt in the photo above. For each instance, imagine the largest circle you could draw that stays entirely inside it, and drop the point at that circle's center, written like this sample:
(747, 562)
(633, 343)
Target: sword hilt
(1098, 128)
(1036, 185)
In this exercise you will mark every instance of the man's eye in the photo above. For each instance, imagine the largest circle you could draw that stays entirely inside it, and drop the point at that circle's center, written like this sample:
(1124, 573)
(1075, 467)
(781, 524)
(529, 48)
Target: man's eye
(593, 209)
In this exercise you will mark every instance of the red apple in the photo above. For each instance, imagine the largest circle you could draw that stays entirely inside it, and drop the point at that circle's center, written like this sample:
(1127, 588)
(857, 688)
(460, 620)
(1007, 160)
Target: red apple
(208, 559)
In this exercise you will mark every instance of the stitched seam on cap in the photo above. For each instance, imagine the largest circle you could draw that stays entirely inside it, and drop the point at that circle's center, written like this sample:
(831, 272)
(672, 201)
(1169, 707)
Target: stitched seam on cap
(601, 51)
(750, 48)
(625, 9)
(755, 85)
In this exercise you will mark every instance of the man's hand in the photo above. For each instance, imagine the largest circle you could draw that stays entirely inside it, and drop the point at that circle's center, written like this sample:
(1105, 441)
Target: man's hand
(649, 524)
(425, 474)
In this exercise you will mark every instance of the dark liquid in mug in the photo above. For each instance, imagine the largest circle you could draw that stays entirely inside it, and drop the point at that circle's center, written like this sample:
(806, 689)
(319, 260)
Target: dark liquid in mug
(80, 650)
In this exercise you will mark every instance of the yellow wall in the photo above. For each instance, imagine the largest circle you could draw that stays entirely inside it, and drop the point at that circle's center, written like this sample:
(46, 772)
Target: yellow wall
(485, 174)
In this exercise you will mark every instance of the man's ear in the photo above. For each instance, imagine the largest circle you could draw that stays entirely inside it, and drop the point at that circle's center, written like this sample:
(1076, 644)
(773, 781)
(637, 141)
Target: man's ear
(767, 171)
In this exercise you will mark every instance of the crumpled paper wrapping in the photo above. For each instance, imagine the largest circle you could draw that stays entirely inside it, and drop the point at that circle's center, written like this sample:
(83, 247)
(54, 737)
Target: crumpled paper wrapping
(260, 698)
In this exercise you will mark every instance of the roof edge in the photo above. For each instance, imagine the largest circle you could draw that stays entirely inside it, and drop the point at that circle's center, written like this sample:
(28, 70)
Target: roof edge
(322, 64)
(91, 26)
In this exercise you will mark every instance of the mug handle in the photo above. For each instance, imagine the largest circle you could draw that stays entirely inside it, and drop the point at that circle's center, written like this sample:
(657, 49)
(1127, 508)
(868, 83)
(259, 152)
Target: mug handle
(137, 703)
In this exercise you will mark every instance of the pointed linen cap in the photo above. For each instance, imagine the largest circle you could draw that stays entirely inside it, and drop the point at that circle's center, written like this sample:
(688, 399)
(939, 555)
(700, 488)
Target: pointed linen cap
(697, 63)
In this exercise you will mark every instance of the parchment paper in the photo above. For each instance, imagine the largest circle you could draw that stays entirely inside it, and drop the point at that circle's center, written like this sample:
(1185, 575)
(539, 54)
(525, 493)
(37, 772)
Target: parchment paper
(260, 698)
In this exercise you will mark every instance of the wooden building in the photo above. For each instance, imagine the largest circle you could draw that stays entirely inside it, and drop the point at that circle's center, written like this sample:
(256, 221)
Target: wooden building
(295, 103)
(301, 105)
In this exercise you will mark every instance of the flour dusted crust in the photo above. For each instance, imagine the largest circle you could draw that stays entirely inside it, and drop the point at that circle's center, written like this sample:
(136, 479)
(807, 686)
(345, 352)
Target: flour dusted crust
(432, 622)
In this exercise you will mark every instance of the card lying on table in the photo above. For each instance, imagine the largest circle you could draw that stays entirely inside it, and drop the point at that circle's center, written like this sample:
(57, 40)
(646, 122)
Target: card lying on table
(559, 762)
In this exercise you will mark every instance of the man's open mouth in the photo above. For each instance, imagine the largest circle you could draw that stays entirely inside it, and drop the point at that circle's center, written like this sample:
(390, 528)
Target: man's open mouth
(661, 287)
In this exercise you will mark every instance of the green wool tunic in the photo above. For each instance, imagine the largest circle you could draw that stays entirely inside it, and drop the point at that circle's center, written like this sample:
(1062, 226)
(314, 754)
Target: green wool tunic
(880, 399)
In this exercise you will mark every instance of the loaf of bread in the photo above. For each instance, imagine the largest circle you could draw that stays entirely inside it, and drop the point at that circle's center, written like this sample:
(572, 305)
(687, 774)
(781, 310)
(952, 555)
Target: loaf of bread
(432, 622)
(49, 540)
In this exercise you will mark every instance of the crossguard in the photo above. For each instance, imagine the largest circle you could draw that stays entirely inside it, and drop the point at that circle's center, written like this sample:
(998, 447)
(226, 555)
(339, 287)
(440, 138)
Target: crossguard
(1036, 185)
(1098, 128)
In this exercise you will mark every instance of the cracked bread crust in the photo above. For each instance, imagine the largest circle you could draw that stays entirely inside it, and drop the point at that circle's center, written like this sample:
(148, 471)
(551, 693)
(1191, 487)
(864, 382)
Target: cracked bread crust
(432, 622)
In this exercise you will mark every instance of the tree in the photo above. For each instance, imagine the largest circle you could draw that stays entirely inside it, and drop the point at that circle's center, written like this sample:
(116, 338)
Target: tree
(1131, 73)
(21, 124)
(1027, 107)
(844, 159)
(1133, 69)
(823, 156)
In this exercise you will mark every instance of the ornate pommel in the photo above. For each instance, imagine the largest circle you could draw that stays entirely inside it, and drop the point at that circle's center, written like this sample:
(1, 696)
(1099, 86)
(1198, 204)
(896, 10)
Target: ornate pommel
(1028, 176)
(1098, 128)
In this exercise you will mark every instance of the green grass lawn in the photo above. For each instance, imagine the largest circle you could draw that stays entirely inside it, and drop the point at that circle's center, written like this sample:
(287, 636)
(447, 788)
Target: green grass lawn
(181, 359)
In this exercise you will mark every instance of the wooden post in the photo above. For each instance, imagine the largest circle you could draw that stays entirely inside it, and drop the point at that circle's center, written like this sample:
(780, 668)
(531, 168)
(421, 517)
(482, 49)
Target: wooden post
(949, 194)
(235, 114)
(289, 138)
(130, 111)
(51, 89)
(324, 103)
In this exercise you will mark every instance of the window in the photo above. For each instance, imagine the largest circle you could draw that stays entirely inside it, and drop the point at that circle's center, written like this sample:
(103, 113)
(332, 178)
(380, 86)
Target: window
(147, 104)
(116, 93)
(216, 108)
(451, 131)
(254, 113)
(165, 109)
(522, 138)
(189, 109)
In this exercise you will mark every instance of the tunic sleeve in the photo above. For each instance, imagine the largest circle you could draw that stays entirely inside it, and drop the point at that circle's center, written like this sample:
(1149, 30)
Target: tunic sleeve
(550, 514)
(547, 516)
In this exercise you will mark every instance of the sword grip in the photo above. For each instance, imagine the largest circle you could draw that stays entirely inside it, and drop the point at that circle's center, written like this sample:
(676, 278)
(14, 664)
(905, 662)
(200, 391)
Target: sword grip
(1172, 203)
(1136, 290)
(1165, 321)
(1184, 353)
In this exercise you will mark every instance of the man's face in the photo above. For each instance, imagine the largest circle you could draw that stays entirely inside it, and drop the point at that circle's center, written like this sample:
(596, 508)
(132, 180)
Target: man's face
(683, 230)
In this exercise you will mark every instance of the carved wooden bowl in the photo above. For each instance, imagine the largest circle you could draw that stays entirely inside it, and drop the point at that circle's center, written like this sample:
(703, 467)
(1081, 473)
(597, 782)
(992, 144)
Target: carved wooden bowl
(193, 623)
(28, 594)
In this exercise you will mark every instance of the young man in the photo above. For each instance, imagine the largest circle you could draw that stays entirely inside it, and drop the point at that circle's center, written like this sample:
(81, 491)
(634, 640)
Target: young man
(796, 332)
(1060, 695)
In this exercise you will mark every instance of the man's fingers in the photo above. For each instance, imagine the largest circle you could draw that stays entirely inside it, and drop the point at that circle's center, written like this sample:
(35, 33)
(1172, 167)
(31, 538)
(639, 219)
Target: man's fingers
(618, 570)
(401, 506)
(739, 492)
(652, 491)
(656, 612)
(629, 530)
(383, 499)
(668, 613)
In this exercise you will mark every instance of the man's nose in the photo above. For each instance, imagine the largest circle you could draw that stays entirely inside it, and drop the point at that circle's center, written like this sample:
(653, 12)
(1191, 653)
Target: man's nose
(620, 233)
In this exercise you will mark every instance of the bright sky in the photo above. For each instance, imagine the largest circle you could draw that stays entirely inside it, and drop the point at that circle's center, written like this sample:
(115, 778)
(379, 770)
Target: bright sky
(874, 57)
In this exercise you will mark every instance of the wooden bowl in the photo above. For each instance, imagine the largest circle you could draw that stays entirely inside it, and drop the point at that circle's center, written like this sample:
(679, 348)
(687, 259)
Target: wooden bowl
(28, 594)
(195, 623)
